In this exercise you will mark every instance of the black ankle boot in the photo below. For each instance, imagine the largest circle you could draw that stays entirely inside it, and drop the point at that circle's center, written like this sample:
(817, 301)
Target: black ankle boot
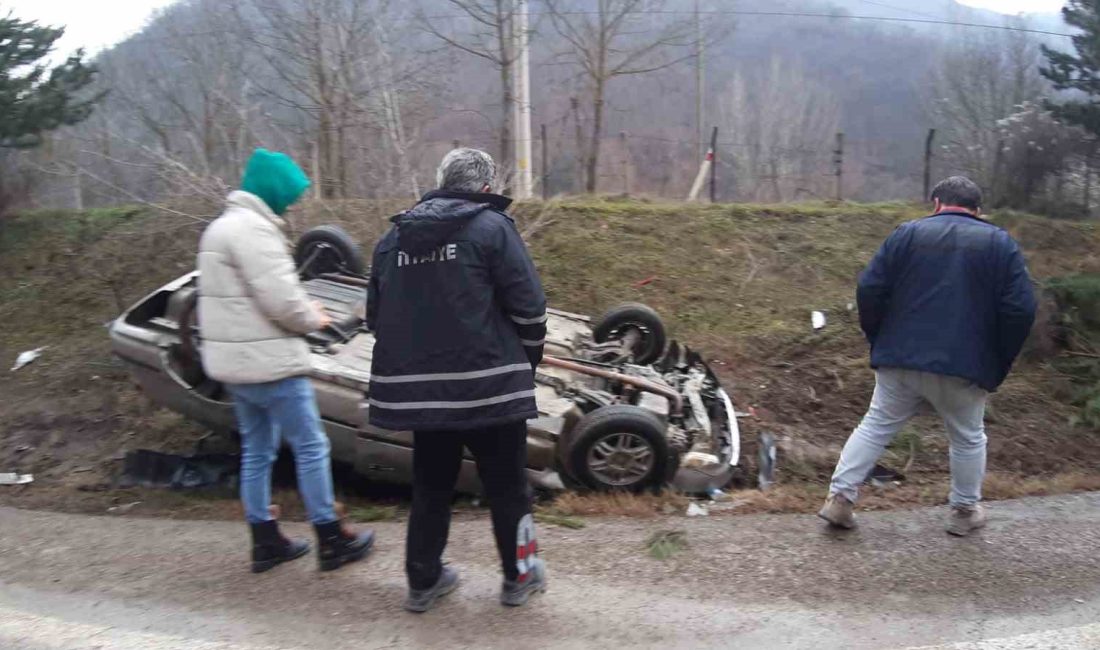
(270, 548)
(337, 546)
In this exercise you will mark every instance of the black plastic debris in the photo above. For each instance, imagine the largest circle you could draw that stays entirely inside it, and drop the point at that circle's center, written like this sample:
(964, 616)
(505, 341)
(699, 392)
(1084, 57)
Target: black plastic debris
(147, 468)
(881, 476)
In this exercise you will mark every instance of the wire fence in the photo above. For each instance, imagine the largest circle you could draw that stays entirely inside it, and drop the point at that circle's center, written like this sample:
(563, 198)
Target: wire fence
(665, 165)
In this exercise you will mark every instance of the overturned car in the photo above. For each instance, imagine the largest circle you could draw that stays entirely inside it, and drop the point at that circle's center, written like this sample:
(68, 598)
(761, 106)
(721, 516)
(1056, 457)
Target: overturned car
(620, 408)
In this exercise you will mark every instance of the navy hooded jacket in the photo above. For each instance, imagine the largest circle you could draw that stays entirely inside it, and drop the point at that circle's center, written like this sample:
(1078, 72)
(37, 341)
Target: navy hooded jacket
(459, 317)
(949, 294)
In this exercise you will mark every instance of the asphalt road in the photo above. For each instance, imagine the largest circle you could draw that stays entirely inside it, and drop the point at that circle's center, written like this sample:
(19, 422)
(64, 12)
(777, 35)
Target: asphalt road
(1031, 580)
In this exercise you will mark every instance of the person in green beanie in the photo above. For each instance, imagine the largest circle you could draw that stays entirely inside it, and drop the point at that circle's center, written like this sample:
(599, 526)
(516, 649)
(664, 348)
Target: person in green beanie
(253, 313)
(274, 178)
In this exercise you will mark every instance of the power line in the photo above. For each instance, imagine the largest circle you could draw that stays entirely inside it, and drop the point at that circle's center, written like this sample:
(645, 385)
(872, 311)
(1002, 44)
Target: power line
(901, 9)
(799, 14)
(142, 38)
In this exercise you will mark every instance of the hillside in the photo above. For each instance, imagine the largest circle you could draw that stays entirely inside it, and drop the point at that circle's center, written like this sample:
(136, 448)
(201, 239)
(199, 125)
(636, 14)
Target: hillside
(204, 81)
(736, 281)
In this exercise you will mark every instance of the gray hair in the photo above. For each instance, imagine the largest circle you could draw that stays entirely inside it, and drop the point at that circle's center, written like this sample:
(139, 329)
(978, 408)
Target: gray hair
(959, 191)
(466, 170)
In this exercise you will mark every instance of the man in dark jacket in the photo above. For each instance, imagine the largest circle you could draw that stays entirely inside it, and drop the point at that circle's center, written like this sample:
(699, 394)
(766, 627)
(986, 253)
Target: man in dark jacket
(459, 316)
(946, 304)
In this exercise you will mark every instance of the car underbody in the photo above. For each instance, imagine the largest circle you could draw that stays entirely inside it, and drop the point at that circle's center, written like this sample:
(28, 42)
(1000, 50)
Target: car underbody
(620, 408)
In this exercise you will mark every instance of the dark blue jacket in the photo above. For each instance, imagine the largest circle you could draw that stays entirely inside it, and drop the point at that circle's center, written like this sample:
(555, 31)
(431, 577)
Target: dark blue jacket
(949, 294)
(459, 316)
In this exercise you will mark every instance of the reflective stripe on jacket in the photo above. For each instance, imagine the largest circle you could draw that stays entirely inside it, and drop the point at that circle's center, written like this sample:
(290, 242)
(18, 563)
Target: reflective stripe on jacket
(459, 317)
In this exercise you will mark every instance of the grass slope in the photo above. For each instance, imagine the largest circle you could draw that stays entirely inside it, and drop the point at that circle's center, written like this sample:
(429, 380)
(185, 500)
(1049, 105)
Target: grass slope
(736, 281)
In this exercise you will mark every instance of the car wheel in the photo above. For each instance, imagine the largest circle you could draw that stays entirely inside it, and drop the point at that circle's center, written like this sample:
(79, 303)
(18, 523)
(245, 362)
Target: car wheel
(619, 447)
(638, 320)
(328, 249)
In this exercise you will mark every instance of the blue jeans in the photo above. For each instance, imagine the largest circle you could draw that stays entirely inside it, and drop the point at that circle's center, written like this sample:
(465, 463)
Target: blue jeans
(267, 414)
(898, 396)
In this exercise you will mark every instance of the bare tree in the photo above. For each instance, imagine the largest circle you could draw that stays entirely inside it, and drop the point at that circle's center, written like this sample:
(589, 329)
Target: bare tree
(317, 51)
(617, 39)
(981, 80)
(784, 123)
(189, 87)
(489, 37)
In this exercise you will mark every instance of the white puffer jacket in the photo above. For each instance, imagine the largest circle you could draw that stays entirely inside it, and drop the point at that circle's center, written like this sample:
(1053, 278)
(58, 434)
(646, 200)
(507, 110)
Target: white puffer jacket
(252, 308)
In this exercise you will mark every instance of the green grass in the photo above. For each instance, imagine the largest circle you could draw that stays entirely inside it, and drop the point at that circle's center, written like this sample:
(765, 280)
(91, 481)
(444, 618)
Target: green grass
(564, 521)
(722, 275)
(365, 514)
(732, 279)
(664, 544)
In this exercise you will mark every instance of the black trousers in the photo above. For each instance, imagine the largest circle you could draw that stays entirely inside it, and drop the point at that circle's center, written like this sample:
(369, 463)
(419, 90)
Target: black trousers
(501, 456)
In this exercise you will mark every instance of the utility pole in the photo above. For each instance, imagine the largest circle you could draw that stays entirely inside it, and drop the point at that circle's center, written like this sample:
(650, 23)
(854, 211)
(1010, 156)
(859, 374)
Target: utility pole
(522, 112)
(928, 164)
(700, 82)
(545, 164)
(839, 161)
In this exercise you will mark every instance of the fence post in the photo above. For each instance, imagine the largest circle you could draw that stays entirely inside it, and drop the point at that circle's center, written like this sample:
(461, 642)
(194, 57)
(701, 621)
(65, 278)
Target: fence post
(928, 164)
(545, 165)
(998, 159)
(625, 163)
(315, 165)
(714, 165)
(839, 160)
(579, 146)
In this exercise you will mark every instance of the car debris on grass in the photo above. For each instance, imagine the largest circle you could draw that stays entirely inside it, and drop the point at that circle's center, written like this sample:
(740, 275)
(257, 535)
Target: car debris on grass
(13, 478)
(28, 357)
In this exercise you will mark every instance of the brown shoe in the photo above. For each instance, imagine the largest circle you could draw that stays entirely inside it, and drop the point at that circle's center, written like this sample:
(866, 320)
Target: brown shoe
(964, 521)
(838, 511)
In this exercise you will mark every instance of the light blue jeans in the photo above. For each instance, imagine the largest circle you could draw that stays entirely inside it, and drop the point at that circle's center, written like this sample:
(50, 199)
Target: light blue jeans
(898, 396)
(268, 414)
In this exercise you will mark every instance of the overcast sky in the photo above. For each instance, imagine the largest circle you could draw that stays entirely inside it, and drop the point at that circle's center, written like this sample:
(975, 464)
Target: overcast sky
(95, 24)
(1016, 6)
(91, 24)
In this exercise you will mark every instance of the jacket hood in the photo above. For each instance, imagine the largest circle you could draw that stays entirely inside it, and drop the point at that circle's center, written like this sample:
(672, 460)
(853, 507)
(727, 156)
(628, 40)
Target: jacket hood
(253, 203)
(439, 216)
(275, 178)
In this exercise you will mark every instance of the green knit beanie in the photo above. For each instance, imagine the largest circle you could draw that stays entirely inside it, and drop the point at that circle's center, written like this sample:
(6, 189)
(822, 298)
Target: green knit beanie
(275, 178)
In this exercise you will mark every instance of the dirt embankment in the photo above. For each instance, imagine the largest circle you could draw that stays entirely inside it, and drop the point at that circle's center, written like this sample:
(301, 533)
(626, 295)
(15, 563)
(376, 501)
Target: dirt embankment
(738, 282)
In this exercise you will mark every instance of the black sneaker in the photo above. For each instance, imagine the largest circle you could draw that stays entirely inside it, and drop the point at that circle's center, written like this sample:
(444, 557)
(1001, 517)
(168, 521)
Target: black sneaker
(270, 548)
(421, 600)
(516, 593)
(337, 546)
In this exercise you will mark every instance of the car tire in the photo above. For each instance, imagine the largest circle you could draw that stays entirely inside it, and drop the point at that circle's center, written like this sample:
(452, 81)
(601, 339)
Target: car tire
(602, 445)
(328, 249)
(616, 322)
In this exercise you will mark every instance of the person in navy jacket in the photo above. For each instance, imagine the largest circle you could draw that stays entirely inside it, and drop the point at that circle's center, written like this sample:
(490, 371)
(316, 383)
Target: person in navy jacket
(946, 304)
(459, 317)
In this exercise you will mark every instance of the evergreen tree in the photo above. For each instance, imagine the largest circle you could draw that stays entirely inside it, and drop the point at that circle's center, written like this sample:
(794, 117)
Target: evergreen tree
(1079, 73)
(34, 98)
